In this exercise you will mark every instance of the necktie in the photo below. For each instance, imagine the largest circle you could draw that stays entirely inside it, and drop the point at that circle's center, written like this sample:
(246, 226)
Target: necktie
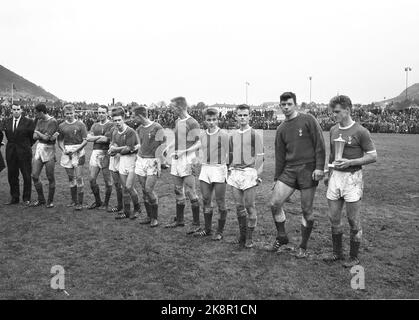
(14, 126)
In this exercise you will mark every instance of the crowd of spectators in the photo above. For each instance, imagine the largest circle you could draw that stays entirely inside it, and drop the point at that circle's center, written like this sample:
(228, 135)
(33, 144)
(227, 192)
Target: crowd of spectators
(377, 120)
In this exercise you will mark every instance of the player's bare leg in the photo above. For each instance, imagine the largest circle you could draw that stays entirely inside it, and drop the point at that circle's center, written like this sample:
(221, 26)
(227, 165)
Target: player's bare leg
(37, 166)
(238, 196)
(73, 186)
(146, 219)
(50, 172)
(353, 210)
(206, 191)
(118, 190)
(220, 194)
(307, 220)
(281, 192)
(130, 194)
(152, 199)
(94, 172)
(108, 186)
(179, 220)
(249, 202)
(335, 216)
(78, 172)
(190, 191)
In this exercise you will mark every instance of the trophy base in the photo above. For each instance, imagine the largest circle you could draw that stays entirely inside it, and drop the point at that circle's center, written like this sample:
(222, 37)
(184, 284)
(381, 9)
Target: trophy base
(331, 165)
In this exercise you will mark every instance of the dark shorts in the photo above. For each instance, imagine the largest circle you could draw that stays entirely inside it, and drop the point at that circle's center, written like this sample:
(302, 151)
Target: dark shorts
(299, 177)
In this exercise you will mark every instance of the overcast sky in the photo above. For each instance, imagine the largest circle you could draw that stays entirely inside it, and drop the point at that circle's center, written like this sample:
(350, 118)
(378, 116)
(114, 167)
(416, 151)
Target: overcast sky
(148, 51)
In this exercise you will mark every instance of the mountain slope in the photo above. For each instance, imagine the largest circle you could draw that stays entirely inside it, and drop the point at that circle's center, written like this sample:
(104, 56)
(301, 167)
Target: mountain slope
(412, 94)
(24, 88)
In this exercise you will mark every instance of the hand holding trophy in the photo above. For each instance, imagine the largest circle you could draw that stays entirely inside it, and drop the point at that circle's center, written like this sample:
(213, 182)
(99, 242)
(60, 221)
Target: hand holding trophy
(339, 145)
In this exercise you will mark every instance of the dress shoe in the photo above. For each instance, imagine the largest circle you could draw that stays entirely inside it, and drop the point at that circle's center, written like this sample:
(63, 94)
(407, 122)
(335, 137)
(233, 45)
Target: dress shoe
(11, 202)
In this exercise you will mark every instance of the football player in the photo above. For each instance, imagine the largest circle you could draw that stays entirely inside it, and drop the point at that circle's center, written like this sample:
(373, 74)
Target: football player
(72, 140)
(246, 164)
(123, 143)
(186, 143)
(299, 164)
(344, 180)
(100, 134)
(46, 132)
(214, 157)
(148, 163)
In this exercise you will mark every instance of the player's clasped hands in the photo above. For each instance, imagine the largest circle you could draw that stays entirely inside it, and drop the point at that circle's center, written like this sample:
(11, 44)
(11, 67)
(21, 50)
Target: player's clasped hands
(318, 175)
(342, 164)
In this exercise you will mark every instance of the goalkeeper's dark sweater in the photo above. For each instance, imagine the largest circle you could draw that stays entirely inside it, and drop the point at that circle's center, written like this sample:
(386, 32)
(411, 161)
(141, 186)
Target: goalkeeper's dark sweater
(299, 141)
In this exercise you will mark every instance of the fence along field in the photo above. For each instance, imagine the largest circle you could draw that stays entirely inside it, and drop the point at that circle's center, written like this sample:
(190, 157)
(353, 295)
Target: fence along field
(104, 258)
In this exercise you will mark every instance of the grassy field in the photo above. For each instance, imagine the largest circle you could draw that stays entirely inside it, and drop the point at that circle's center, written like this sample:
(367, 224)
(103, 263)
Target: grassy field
(108, 259)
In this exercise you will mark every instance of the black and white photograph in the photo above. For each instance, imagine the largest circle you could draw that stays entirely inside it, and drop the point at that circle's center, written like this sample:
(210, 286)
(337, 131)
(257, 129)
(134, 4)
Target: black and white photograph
(215, 158)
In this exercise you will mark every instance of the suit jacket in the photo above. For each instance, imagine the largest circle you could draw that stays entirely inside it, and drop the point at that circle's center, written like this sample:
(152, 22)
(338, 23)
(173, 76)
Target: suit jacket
(19, 142)
(2, 165)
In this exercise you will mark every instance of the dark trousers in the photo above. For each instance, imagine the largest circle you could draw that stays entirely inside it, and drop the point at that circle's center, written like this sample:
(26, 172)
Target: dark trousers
(23, 163)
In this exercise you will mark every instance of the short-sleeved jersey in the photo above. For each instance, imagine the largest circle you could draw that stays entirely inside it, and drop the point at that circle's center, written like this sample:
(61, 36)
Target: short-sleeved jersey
(133, 123)
(127, 138)
(72, 133)
(48, 127)
(244, 147)
(358, 142)
(214, 147)
(187, 132)
(99, 129)
(151, 137)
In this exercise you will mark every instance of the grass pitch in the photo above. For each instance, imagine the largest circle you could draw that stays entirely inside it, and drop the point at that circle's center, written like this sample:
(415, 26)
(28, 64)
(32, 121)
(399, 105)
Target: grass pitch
(108, 259)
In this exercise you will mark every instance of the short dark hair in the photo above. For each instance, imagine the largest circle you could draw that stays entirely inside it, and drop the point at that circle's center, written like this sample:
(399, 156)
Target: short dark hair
(344, 101)
(104, 107)
(210, 112)
(180, 101)
(69, 107)
(40, 107)
(243, 107)
(118, 112)
(140, 111)
(288, 95)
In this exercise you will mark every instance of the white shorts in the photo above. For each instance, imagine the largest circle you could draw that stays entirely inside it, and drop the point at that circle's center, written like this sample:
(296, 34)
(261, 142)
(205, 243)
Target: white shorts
(182, 166)
(213, 173)
(243, 179)
(346, 185)
(99, 158)
(75, 160)
(147, 166)
(45, 152)
(126, 164)
(114, 162)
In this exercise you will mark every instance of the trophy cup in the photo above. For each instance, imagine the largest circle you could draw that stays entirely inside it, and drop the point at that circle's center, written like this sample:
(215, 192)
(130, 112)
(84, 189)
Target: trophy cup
(339, 144)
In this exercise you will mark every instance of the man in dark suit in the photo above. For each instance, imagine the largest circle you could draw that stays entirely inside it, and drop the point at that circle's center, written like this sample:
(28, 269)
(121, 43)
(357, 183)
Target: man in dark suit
(2, 164)
(19, 133)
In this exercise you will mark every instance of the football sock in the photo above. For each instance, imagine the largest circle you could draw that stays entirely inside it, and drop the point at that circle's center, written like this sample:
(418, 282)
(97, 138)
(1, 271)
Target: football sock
(40, 191)
(195, 211)
(73, 191)
(180, 207)
(222, 221)
(154, 211)
(108, 192)
(208, 212)
(337, 244)
(51, 193)
(305, 234)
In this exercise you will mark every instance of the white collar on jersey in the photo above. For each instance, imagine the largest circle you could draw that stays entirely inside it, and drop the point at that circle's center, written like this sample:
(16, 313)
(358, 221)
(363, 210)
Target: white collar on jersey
(239, 131)
(185, 118)
(210, 134)
(347, 127)
(123, 131)
(151, 122)
(106, 122)
(75, 120)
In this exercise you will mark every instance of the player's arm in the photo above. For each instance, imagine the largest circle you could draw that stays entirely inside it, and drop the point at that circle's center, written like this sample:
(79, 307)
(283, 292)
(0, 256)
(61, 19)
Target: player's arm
(60, 141)
(259, 153)
(84, 137)
(92, 138)
(319, 149)
(280, 152)
(370, 153)
(131, 144)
